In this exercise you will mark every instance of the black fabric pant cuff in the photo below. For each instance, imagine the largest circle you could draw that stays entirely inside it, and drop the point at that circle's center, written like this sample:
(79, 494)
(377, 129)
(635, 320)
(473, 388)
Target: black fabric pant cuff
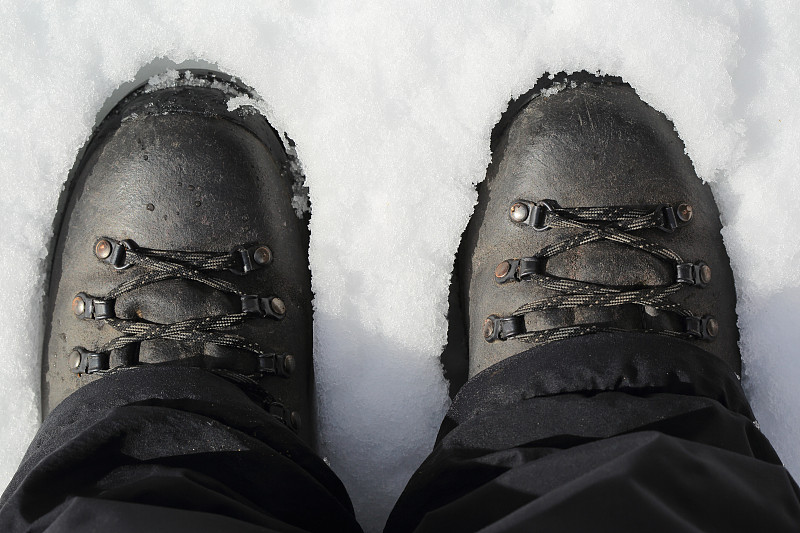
(606, 432)
(604, 362)
(158, 448)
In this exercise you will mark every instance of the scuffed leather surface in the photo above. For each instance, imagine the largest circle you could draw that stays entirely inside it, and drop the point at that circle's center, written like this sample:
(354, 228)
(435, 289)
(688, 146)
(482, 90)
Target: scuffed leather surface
(174, 169)
(596, 144)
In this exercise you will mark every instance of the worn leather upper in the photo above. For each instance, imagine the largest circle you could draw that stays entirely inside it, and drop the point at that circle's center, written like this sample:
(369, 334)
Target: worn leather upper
(594, 143)
(174, 169)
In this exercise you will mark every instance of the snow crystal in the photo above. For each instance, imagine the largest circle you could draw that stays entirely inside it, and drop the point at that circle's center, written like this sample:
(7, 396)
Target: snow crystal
(555, 88)
(294, 168)
(173, 78)
(163, 81)
(391, 106)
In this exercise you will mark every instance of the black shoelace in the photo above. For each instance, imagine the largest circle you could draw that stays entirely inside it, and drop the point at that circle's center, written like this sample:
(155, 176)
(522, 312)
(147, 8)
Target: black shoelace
(160, 265)
(614, 223)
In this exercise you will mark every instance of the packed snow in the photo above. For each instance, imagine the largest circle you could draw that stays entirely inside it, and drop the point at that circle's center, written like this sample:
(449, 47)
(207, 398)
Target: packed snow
(391, 105)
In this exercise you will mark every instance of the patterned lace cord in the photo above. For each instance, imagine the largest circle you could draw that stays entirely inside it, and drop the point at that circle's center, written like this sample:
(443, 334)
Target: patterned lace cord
(160, 265)
(598, 223)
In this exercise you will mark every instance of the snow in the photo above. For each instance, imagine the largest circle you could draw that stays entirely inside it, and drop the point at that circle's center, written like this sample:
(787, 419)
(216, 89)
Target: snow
(391, 105)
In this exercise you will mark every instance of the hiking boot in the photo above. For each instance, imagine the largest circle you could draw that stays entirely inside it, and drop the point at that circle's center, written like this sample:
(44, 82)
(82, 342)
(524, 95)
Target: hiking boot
(178, 245)
(592, 219)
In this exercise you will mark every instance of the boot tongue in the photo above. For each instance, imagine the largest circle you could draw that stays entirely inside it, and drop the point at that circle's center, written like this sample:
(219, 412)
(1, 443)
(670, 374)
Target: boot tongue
(614, 265)
(611, 264)
(170, 301)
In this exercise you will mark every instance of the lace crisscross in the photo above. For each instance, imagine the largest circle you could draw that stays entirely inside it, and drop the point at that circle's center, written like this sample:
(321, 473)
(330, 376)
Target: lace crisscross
(160, 265)
(613, 223)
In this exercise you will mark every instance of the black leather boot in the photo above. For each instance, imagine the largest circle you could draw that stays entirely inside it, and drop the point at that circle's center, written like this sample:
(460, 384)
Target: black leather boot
(591, 218)
(178, 245)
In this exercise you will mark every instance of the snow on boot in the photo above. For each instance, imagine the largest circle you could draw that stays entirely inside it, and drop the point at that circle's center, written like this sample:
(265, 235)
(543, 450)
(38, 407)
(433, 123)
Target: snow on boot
(178, 245)
(592, 219)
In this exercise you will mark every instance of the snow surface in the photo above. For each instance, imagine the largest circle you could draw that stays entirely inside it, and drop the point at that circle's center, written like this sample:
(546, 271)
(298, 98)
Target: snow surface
(391, 105)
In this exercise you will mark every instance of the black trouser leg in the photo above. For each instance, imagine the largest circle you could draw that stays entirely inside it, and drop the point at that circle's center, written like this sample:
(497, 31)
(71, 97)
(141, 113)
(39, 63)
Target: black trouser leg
(612, 432)
(170, 449)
